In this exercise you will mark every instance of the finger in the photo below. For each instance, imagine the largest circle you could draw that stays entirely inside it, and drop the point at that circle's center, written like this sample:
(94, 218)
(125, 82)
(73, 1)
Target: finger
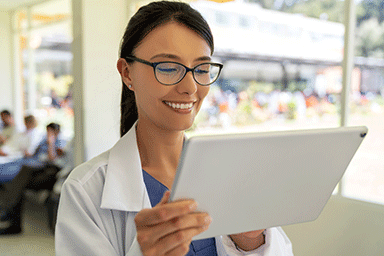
(172, 241)
(182, 249)
(193, 220)
(165, 198)
(164, 212)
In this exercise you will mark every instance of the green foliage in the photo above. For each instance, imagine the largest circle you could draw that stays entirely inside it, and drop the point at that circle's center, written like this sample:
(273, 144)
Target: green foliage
(266, 4)
(254, 87)
(368, 9)
(370, 28)
(46, 82)
(379, 100)
(291, 114)
(332, 10)
(370, 39)
(369, 15)
(294, 86)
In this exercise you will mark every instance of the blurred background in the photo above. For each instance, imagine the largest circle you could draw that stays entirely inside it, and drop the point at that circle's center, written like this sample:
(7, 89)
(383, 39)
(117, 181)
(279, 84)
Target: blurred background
(288, 64)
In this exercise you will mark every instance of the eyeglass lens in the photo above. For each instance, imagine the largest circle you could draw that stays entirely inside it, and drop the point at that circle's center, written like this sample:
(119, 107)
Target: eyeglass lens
(171, 73)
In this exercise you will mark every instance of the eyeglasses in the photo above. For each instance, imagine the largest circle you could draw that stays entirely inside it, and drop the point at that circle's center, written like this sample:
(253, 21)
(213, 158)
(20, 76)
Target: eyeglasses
(170, 73)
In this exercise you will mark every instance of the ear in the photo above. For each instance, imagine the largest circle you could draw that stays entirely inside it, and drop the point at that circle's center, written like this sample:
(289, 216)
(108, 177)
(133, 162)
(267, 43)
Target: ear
(124, 69)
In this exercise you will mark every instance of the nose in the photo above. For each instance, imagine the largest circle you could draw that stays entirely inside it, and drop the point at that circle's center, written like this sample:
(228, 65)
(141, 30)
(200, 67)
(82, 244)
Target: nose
(187, 85)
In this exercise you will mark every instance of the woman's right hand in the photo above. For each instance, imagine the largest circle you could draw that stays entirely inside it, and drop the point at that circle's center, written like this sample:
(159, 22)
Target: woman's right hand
(168, 228)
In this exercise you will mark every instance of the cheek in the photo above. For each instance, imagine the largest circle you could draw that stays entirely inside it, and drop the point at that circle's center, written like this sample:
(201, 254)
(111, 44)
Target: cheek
(149, 93)
(145, 86)
(203, 92)
(148, 96)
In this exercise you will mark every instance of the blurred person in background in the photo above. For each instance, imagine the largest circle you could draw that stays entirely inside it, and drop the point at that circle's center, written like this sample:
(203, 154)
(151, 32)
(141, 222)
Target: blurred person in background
(9, 128)
(23, 144)
(35, 172)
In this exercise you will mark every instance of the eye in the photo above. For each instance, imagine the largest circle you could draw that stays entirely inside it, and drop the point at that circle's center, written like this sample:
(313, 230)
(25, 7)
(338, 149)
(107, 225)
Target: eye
(168, 68)
(203, 69)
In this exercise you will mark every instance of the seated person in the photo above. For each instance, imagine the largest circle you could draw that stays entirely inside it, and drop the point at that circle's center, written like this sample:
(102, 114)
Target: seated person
(22, 144)
(36, 172)
(9, 128)
(44, 152)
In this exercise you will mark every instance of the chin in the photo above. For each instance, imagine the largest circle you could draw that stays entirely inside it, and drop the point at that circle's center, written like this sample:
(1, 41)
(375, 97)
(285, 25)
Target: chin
(183, 127)
(177, 126)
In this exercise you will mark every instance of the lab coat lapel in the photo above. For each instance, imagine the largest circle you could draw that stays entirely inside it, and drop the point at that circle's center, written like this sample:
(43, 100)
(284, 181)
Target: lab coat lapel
(124, 187)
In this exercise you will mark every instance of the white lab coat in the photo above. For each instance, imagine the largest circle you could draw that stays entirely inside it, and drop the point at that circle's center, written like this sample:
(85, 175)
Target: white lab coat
(100, 199)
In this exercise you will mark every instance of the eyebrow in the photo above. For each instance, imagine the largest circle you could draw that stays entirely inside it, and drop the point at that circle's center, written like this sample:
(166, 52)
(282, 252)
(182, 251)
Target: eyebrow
(172, 56)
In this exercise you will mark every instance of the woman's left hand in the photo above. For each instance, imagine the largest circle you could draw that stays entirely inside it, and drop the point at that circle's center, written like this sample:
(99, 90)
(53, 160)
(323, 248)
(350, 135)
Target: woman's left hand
(249, 241)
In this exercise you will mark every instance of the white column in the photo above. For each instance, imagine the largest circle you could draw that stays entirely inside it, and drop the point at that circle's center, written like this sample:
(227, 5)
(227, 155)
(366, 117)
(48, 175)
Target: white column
(98, 27)
(348, 59)
(6, 95)
(17, 83)
(347, 65)
(31, 66)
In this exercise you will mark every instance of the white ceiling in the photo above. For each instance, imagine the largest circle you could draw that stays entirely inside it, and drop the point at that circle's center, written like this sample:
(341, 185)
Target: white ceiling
(12, 4)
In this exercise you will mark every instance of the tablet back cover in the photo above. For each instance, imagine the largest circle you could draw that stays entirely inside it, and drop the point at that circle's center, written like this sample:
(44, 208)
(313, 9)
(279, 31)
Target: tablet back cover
(255, 181)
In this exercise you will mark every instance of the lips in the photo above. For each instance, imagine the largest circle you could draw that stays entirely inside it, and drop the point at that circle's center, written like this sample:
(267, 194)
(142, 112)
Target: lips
(179, 105)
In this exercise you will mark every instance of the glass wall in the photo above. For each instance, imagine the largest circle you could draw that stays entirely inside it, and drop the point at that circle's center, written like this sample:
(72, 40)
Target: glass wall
(43, 35)
(365, 177)
(283, 71)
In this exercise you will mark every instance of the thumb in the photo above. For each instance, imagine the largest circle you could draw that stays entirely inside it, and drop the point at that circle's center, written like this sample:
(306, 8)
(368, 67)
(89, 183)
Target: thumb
(165, 198)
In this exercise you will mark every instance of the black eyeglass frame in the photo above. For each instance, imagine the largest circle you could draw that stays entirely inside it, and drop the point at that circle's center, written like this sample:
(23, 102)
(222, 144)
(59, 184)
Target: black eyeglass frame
(187, 69)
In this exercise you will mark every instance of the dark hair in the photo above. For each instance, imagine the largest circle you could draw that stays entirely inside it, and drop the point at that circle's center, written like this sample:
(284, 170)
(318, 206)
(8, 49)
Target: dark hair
(146, 19)
(5, 112)
(54, 126)
(29, 119)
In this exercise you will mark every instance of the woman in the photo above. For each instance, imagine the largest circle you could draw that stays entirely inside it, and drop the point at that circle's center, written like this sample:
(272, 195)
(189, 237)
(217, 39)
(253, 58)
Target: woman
(105, 206)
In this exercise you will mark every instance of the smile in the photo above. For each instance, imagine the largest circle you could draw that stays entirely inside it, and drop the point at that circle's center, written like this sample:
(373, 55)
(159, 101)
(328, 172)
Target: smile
(179, 105)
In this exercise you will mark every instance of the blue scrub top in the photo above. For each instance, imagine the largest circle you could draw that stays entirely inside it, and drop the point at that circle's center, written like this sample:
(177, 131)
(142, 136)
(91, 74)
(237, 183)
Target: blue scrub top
(156, 190)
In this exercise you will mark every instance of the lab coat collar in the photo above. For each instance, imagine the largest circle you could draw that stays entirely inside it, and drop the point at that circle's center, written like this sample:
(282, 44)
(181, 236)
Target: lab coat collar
(124, 187)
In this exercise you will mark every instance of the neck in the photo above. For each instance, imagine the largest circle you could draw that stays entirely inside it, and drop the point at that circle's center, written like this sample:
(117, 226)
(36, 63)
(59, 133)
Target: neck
(159, 151)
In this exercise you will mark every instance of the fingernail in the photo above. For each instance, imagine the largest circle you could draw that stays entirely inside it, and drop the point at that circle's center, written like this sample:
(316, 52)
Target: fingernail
(193, 206)
(207, 220)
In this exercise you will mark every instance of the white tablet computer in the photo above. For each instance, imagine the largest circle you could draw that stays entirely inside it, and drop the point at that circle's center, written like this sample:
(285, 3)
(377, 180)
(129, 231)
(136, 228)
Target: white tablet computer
(260, 180)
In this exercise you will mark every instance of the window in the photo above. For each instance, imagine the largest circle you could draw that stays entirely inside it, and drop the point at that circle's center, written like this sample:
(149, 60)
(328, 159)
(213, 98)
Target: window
(364, 178)
(275, 77)
(283, 72)
(43, 36)
(50, 12)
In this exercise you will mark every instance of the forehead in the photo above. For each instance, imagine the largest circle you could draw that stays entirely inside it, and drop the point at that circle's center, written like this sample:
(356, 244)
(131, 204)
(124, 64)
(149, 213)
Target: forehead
(173, 38)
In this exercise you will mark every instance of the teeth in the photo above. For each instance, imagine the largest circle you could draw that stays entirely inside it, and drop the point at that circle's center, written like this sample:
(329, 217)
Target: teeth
(179, 106)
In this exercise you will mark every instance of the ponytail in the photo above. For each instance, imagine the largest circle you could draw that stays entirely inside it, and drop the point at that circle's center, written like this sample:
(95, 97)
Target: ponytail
(128, 110)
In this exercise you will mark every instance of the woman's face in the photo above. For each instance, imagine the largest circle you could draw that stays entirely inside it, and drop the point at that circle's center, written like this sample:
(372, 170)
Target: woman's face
(172, 107)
